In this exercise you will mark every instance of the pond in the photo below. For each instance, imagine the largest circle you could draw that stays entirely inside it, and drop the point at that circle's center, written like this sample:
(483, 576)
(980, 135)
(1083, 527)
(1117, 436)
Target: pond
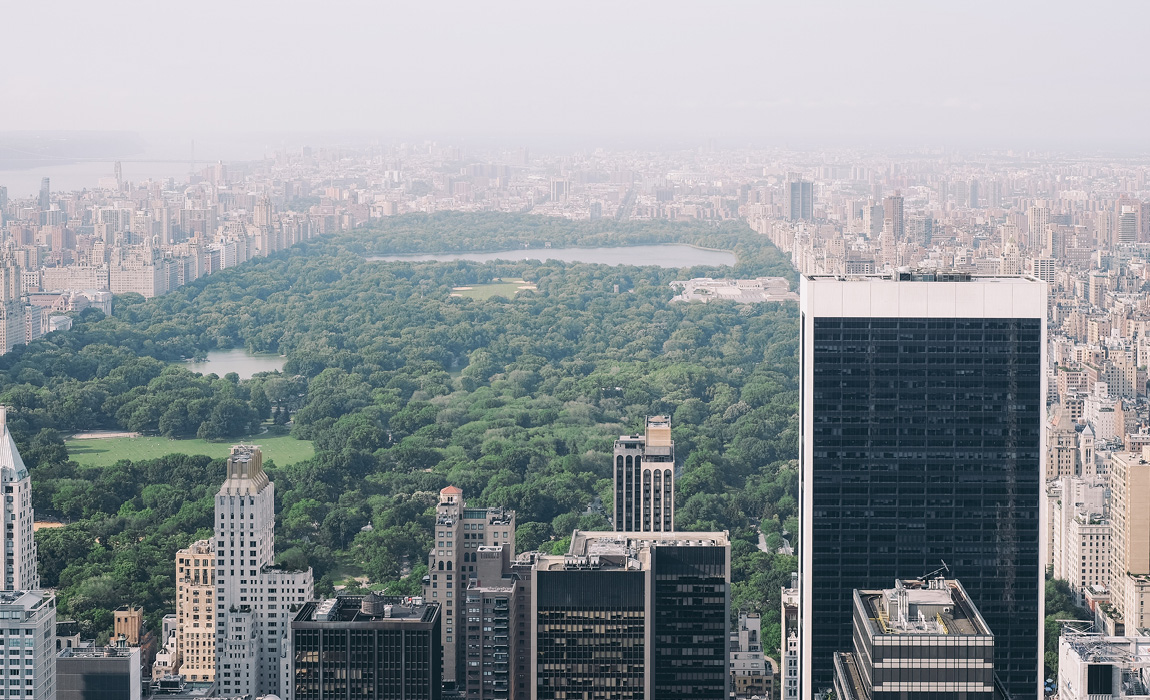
(238, 360)
(673, 256)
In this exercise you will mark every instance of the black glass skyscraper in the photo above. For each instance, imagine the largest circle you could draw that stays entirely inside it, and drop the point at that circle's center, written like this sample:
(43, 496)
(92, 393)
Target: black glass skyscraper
(922, 406)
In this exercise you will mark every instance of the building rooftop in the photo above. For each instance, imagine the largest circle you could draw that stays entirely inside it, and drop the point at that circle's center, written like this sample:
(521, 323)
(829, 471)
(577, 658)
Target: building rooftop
(934, 606)
(624, 550)
(369, 610)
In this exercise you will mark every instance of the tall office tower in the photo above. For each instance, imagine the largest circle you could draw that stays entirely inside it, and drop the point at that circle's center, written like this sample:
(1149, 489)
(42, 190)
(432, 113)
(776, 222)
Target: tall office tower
(926, 636)
(645, 479)
(1036, 219)
(253, 597)
(459, 533)
(371, 646)
(921, 440)
(45, 195)
(873, 220)
(1130, 537)
(1128, 224)
(20, 552)
(892, 216)
(659, 607)
(30, 625)
(943, 194)
(798, 198)
(195, 608)
(972, 191)
(3, 200)
(1061, 447)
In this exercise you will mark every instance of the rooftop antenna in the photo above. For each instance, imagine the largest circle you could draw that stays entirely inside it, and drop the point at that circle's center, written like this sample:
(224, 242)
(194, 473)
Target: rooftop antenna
(931, 574)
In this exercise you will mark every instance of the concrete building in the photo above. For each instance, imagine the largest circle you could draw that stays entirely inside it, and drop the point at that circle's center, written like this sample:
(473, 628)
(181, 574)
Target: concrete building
(1130, 536)
(28, 632)
(195, 652)
(90, 672)
(492, 647)
(459, 533)
(752, 673)
(1094, 666)
(645, 479)
(894, 369)
(789, 642)
(369, 646)
(1080, 533)
(254, 600)
(658, 603)
(918, 639)
(1061, 447)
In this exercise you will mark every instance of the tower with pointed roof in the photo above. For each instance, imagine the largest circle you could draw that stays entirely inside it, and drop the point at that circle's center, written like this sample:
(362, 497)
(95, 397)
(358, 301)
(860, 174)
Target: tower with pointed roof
(19, 546)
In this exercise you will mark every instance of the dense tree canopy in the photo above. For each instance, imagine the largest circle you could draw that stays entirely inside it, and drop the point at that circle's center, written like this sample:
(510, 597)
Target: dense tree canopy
(405, 389)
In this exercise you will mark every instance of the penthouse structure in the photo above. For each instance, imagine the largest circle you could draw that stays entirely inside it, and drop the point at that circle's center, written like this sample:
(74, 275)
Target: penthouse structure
(920, 638)
(369, 646)
(645, 479)
(658, 605)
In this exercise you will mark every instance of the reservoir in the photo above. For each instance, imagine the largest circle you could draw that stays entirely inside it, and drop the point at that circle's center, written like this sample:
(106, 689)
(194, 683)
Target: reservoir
(238, 360)
(673, 256)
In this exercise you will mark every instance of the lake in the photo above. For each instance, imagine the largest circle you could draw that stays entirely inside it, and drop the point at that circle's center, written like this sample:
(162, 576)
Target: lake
(238, 360)
(674, 256)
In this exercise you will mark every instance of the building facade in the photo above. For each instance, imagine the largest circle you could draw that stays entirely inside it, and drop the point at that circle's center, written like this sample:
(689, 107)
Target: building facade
(29, 625)
(254, 599)
(195, 652)
(658, 605)
(918, 639)
(645, 479)
(921, 428)
(459, 533)
(19, 544)
(366, 647)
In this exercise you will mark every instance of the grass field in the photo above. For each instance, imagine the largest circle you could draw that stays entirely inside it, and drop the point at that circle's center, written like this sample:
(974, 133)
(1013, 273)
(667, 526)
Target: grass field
(281, 449)
(505, 288)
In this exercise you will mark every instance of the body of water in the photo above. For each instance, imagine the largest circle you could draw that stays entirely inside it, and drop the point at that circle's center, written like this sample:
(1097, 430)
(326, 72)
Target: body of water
(238, 360)
(674, 256)
(85, 175)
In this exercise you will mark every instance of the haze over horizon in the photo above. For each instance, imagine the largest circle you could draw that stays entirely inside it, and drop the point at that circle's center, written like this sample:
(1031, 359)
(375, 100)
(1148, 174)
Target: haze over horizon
(982, 74)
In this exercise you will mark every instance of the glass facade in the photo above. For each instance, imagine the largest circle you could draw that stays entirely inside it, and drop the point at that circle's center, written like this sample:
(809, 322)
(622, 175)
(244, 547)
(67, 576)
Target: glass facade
(590, 635)
(367, 663)
(926, 448)
(690, 621)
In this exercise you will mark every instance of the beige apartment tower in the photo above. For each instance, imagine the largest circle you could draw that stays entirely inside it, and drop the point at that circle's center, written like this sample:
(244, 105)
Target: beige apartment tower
(195, 621)
(645, 479)
(1130, 536)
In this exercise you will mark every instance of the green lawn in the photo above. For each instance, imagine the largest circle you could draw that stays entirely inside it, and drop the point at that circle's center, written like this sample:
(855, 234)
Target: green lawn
(281, 449)
(486, 291)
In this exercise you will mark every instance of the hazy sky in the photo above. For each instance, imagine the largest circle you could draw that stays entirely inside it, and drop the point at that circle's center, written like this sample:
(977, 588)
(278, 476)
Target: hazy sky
(999, 73)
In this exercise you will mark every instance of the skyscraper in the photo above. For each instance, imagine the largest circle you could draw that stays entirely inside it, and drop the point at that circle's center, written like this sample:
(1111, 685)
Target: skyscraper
(1036, 218)
(921, 442)
(459, 533)
(633, 616)
(253, 598)
(798, 198)
(20, 551)
(893, 217)
(30, 630)
(45, 195)
(645, 479)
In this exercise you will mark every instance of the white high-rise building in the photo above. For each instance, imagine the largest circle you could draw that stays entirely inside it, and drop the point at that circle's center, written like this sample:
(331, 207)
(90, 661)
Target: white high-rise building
(29, 630)
(19, 546)
(254, 600)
